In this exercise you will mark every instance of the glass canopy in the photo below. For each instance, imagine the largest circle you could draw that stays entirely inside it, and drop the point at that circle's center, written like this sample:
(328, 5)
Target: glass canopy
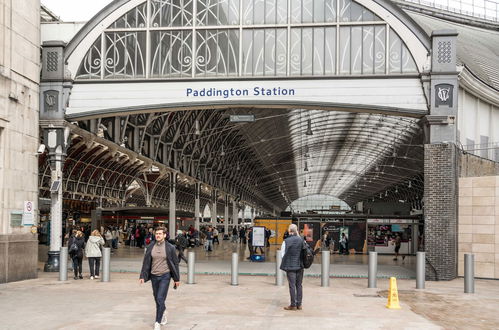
(258, 38)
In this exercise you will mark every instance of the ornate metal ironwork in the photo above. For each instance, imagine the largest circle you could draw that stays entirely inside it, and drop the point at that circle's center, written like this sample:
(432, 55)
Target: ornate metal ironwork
(227, 38)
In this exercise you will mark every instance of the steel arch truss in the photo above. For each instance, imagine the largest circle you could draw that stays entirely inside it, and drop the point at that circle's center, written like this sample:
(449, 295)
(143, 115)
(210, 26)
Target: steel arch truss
(282, 156)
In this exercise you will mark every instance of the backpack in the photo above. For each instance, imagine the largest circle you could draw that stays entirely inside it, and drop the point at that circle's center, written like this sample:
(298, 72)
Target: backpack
(73, 248)
(307, 255)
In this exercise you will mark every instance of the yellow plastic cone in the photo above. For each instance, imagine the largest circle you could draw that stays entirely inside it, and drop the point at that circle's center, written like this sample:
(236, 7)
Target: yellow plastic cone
(393, 295)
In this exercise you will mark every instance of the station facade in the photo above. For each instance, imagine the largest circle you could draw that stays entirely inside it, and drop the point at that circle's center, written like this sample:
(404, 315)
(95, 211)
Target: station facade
(377, 103)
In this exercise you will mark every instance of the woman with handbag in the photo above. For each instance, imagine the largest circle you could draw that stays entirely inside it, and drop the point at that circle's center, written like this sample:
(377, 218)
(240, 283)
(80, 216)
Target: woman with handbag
(94, 253)
(76, 245)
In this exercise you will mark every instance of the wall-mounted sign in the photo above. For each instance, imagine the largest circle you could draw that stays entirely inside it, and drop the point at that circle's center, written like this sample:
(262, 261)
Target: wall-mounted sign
(16, 218)
(28, 213)
(404, 94)
(242, 118)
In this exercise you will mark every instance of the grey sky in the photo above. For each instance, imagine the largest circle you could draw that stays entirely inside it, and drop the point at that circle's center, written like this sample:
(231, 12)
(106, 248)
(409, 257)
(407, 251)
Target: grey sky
(83, 10)
(75, 10)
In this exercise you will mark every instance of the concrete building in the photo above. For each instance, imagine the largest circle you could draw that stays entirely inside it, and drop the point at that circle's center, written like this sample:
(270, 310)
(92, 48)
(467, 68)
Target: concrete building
(19, 137)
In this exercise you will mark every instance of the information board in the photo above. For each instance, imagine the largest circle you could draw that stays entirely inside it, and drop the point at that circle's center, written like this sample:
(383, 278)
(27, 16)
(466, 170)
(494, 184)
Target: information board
(259, 236)
(28, 213)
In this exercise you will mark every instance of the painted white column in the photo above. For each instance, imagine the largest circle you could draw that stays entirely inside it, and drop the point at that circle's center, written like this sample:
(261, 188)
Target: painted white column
(252, 216)
(56, 207)
(197, 197)
(226, 215)
(243, 209)
(214, 199)
(173, 199)
(235, 212)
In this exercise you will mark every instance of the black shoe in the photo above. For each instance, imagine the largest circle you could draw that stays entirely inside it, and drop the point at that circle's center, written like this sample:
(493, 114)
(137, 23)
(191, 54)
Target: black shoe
(76, 277)
(81, 277)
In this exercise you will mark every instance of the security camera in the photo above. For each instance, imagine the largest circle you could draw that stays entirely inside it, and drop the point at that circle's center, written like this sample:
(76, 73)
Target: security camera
(41, 149)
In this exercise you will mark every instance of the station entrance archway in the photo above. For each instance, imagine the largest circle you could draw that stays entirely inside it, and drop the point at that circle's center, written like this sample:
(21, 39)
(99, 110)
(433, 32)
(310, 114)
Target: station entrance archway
(238, 105)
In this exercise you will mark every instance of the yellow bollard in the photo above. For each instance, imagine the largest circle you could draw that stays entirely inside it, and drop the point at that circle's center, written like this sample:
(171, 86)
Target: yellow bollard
(393, 295)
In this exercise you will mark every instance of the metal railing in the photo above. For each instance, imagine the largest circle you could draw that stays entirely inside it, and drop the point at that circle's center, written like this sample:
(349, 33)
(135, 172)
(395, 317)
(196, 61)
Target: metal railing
(484, 9)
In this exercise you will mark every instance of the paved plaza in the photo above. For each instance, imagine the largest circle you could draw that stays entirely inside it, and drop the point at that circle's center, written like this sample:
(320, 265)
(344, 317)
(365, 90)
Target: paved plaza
(256, 303)
(212, 303)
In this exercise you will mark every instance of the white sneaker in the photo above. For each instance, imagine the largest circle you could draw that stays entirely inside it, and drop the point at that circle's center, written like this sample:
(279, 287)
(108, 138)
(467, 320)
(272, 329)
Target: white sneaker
(164, 321)
(96, 276)
(157, 326)
(91, 277)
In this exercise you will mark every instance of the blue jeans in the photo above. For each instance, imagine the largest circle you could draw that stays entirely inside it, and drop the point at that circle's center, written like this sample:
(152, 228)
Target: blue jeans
(160, 286)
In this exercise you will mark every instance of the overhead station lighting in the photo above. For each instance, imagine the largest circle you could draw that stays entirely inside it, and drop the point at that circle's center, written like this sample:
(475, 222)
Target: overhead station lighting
(222, 153)
(309, 127)
(197, 130)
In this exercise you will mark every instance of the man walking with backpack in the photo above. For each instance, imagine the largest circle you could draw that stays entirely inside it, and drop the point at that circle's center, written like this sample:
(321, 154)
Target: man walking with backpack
(292, 264)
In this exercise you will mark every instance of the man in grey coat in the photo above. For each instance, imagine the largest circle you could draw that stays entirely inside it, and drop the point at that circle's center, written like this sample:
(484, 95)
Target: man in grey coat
(293, 266)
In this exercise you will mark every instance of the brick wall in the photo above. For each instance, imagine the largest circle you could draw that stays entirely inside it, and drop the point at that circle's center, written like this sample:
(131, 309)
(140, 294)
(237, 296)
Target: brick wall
(440, 211)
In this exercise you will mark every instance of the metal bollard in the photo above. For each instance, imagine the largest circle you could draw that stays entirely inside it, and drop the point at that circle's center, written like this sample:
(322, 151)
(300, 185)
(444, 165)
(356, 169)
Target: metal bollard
(191, 259)
(63, 264)
(373, 269)
(420, 270)
(326, 260)
(106, 264)
(234, 269)
(469, 273)
(279, 274)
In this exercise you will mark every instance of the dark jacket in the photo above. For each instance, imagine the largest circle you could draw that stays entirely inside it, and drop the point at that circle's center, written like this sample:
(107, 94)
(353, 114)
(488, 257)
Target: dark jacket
(171, 259)
(292, 255)
(80, 242)
(181, 241)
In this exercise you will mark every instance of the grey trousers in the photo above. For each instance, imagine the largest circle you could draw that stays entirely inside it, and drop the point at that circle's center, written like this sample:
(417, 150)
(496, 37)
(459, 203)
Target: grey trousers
(295, 279)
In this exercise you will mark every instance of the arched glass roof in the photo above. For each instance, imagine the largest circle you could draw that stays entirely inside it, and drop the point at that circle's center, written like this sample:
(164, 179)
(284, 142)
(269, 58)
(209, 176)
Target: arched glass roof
(162, 39)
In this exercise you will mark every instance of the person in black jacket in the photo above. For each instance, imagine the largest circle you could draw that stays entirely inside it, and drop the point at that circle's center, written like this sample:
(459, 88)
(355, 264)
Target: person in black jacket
(292, 264)
(76, 245)
(160, 265)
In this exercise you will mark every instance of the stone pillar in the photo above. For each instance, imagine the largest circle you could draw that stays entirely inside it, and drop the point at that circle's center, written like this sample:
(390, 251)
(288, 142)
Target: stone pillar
(440, 162)
(173, 203)
(197, 196)
(226, 215)
(54, 94)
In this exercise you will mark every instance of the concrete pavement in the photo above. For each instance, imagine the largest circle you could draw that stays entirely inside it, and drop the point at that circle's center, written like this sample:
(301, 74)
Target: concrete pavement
(212, 303)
